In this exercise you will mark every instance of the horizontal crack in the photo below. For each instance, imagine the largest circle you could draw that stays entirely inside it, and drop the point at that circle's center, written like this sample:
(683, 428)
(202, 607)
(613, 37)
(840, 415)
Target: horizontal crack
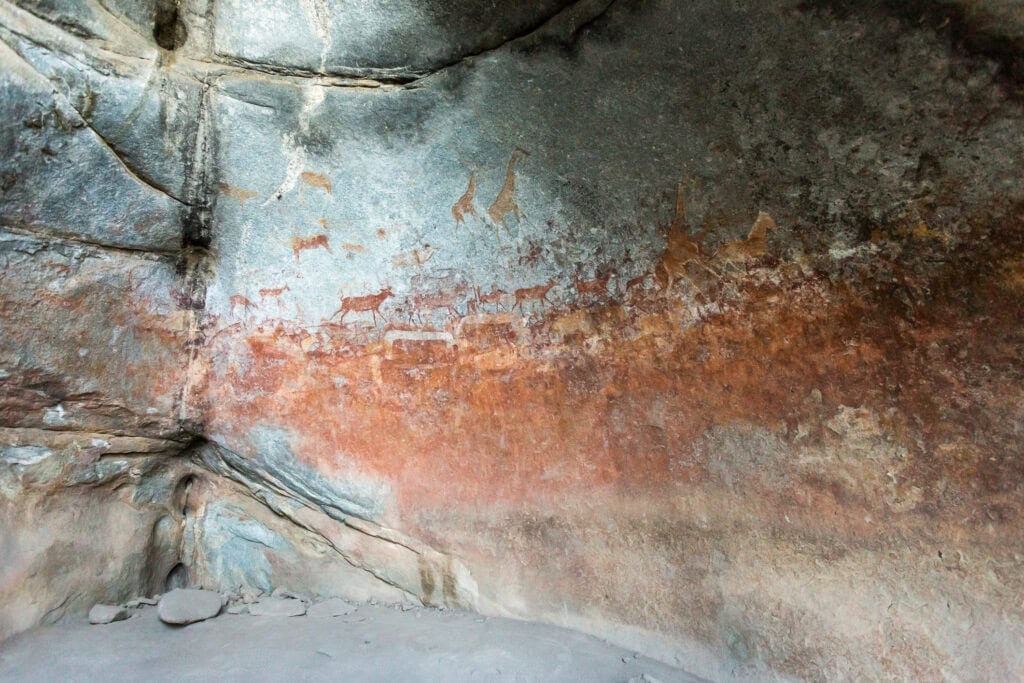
(49, 235)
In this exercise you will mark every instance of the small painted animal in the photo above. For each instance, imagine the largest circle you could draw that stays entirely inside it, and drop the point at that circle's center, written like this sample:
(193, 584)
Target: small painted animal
(637, 281)
(495, 297)
(597, 287)
(239, 300)
(505, 202)
(300, 244)
(361, 304)
(464, 206)
(274, 292)
(537, 293)
(680, 249)
(755, 246)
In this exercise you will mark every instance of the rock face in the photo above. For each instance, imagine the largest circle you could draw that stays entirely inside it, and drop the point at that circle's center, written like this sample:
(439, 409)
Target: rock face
(183, 606)
(693, 325)
(106, 614)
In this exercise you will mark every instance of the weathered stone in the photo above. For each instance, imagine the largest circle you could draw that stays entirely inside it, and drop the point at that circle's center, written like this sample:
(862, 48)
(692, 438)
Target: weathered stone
(188, 605)
(694, 325)
(105, 614)
(332, 607)
(277, 607)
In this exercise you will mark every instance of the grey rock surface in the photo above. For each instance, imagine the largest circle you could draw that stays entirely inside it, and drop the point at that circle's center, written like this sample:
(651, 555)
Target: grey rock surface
(106, 614)
(277, 607)
(332, 607)
(378, 644)
(188, 605)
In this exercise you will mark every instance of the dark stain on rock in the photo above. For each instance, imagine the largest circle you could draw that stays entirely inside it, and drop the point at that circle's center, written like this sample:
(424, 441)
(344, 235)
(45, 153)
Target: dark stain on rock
(427, 582)
(168, 29)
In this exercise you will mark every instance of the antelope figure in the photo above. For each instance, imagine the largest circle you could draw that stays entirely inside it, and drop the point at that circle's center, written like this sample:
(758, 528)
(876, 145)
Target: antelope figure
(597, 287)
(505, 202)
(755, 246)
(538, 293)
(300, 244)
(464, 206)
(681, 249)
(275, 292)
(494, 297)
(361, 304)
(239, 300)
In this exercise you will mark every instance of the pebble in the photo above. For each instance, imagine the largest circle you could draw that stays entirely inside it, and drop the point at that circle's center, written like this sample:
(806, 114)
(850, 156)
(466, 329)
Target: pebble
(332, 607)
(277, 607)
(188, 605)
(105, 614)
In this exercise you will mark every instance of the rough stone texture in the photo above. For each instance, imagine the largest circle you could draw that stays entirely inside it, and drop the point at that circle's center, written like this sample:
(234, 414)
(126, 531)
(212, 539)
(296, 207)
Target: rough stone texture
(378, 644)
(277, 607)
(183, 606)
(107, 614)
(695, 325)
(333, 607)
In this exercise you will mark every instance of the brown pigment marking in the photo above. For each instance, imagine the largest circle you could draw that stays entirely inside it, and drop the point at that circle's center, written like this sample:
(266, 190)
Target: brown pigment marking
(300, 244)
(464, 205)
(537, 293)
(357, 248)
(236, 193)
(274, 292)
(505, 202)
(844, 342)
(361, 304)
(495, 297)
(598, 287)
(753, 247)
(680, 250)
(239, 300)
(316, 180)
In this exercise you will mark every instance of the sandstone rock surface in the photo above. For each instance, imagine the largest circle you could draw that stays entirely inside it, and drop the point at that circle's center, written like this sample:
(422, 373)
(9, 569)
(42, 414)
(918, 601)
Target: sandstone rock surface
(694, 325)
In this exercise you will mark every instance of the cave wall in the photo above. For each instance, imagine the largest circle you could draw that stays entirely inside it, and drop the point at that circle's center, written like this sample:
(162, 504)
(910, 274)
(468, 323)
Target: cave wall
(693, 325)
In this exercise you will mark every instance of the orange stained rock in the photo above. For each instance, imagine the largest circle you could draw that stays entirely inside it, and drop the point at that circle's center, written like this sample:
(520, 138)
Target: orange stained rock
(316, 180)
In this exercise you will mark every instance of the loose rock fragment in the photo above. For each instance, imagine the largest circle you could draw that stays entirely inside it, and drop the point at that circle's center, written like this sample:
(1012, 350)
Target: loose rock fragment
(333, 607)
(105, 614)
(277, 607)
(186, 606)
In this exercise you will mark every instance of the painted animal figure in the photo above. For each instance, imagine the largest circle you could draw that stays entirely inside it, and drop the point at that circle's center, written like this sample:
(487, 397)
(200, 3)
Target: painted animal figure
(493, 297)
(538, 293)
(505, 202)
(274, 292)
(597, 287)
(239, 300)
(755, 246)
(361, 304)
(637, 281)
(680, 249)
(464, 206)
(435, 301)
(300, 244)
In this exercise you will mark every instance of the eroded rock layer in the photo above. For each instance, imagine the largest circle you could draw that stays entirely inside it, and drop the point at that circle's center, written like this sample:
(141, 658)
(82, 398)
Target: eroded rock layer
(694, 325)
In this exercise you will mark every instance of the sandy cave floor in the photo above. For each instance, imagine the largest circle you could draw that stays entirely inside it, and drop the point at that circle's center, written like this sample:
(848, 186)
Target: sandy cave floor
(375, 643)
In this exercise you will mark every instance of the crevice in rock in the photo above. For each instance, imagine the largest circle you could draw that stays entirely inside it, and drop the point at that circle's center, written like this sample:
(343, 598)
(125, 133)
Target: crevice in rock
(168, 29)
(51, 235)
